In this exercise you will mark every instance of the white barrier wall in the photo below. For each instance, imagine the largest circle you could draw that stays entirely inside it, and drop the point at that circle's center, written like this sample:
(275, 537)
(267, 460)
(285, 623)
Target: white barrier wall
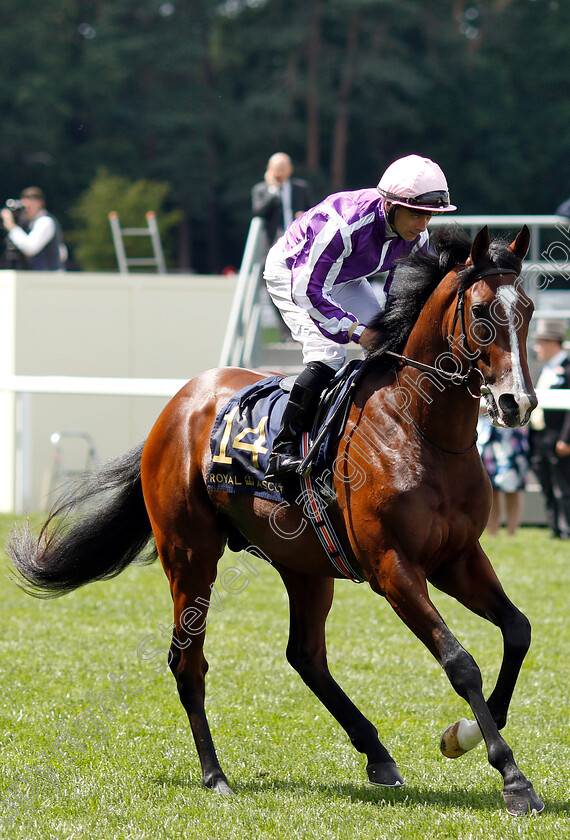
(110, 325)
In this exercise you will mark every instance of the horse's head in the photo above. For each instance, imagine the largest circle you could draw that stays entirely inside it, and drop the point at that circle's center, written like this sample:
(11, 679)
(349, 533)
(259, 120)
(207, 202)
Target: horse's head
(496, 317)
(461, 305)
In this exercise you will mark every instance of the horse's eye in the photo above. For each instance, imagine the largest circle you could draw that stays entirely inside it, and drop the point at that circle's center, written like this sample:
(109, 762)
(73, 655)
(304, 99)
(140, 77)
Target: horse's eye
(479, 311)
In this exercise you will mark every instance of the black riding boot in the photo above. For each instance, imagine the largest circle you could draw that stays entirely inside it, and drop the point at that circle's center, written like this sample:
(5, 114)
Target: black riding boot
(298, 414)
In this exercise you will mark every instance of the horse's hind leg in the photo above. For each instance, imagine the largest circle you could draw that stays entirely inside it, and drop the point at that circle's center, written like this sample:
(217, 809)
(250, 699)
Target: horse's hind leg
(310, 600)
(191, 574)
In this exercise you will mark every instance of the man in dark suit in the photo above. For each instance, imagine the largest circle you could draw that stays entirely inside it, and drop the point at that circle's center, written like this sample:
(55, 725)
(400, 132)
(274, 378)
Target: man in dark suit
(279, 198)
(550, 428)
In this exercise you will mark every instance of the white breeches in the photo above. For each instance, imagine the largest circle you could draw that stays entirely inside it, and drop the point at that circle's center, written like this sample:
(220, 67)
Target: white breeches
(355, 296)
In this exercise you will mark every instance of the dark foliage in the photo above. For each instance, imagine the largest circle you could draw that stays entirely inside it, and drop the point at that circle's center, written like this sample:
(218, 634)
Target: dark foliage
(200, 94)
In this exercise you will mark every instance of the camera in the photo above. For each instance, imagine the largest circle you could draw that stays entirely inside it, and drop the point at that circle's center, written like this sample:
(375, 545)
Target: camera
(14, 204)
(10, 256)
(17, 208)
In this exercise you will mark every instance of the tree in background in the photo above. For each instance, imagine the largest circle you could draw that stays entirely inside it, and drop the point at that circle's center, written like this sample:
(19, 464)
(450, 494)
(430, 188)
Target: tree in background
(198, 95)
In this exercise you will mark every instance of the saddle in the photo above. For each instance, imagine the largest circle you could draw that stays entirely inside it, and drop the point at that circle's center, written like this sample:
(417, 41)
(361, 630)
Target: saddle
(244, 430)
(242, 440)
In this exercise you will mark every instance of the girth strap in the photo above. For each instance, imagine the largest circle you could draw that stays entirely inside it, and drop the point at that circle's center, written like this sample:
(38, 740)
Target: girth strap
(323, 526)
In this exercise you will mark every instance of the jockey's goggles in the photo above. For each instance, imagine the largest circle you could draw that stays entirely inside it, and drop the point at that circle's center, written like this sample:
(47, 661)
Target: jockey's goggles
(435, 200)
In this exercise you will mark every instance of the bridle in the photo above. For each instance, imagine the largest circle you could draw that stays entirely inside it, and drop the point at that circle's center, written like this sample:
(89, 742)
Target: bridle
(452, 377)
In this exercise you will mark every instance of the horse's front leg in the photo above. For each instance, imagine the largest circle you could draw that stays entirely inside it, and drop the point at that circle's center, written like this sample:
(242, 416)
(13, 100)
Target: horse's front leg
(310, 600)
(473, 582)
(404, 585)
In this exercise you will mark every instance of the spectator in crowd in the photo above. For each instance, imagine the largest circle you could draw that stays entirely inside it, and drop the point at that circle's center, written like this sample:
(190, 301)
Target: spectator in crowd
(42, 243)
(506, 456)
(550, 428)
(280, 198)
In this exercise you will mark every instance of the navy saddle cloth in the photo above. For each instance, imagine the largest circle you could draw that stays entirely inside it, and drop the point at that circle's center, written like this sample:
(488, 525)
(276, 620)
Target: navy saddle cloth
(244, 431)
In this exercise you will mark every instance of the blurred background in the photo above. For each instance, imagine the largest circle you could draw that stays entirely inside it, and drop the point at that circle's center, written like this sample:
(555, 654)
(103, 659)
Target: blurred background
(104, 103)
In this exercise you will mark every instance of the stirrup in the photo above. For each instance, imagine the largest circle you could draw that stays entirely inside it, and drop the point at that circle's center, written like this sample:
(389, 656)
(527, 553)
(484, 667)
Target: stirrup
(280, 463)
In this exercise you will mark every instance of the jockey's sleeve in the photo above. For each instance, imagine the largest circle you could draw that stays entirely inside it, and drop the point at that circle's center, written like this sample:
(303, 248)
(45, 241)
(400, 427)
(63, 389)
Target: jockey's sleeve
(315, 271)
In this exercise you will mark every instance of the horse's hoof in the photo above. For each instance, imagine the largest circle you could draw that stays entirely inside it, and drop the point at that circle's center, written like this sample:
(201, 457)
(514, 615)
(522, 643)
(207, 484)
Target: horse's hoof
(459, 738)
(219, 786)
(223, 788)
(449, 745)
(521, 803)
(384, 773)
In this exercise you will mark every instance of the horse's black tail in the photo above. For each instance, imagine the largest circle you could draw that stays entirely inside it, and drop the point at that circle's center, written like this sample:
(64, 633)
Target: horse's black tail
(97, 542)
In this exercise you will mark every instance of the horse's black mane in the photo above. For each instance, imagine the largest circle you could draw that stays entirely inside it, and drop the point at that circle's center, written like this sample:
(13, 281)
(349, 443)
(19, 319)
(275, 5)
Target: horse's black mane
(416, 276)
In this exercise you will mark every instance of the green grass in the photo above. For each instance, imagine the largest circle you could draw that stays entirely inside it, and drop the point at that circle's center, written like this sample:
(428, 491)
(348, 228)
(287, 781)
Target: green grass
(293, 769)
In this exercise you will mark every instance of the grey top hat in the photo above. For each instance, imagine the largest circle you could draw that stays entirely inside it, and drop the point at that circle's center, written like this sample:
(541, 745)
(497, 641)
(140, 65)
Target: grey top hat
(550, 329)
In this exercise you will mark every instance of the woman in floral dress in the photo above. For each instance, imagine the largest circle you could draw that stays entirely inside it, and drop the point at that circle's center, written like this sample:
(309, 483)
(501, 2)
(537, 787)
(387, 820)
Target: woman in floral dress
(505, 454)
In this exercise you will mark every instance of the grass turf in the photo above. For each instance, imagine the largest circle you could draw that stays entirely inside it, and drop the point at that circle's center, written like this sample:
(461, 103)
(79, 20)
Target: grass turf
(70, 771)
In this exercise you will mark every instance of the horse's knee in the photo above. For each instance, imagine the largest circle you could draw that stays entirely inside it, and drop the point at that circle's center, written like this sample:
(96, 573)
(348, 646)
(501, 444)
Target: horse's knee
(309, 660)
(302, 660)
(462, 672)
(517, 633)
(189, 670)
(193, 658)
(174, 659)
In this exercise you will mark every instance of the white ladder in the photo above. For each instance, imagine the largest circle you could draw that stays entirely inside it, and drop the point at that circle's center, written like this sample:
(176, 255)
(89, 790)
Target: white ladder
(150, 230)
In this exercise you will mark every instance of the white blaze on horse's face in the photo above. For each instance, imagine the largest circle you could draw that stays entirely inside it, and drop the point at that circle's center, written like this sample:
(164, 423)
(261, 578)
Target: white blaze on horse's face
(514, 383)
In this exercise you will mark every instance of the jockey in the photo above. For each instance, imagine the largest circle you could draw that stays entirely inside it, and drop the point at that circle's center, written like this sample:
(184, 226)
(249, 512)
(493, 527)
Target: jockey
(316, 275)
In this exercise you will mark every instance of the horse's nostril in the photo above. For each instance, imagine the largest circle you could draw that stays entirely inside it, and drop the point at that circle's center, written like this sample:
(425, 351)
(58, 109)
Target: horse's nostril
(508, 404)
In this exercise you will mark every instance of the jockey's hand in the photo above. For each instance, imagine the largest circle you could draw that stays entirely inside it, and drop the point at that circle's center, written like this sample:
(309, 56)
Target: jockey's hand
(370, 339)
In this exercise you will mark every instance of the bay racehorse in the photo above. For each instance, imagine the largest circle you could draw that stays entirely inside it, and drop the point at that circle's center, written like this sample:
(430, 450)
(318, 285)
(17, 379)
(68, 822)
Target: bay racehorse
(455, 329)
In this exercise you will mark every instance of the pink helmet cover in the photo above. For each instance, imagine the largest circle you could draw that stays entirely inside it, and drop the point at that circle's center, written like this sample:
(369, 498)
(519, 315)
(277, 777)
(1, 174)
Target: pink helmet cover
(418, 183)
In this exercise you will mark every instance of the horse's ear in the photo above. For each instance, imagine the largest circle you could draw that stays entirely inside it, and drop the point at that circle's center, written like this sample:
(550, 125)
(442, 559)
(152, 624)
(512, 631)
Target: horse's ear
(521, 243)
(480, 246)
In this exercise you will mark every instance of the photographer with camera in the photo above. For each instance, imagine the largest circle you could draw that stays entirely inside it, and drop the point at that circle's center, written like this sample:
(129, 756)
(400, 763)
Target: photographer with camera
(42, 243)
